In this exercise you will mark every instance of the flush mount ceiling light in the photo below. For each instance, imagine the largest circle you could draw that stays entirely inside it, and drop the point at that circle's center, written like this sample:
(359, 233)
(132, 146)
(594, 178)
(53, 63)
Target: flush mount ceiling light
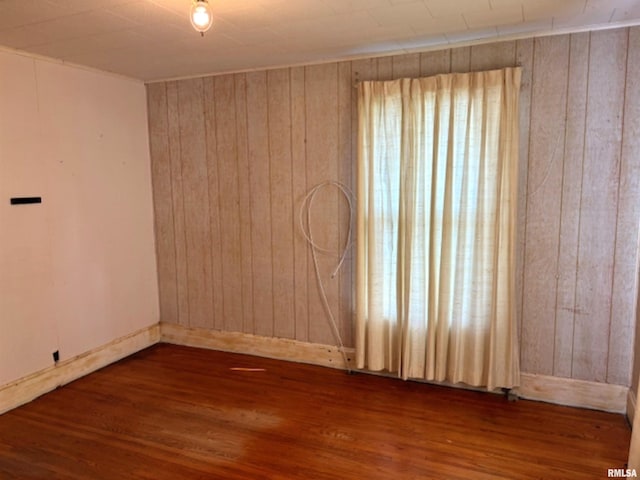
(201, 16)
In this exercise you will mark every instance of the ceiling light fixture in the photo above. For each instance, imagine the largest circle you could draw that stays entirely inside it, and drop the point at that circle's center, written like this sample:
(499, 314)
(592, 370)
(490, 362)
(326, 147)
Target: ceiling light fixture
(201, 18)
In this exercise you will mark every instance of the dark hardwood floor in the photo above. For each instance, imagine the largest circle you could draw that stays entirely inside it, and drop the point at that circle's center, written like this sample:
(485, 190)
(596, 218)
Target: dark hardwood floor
(175, 413)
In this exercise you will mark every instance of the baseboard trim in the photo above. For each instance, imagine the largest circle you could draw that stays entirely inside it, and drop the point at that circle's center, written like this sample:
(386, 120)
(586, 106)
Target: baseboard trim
(631, 406)
(562, 391)
(269, 347)
(32, 386)
(574, 393)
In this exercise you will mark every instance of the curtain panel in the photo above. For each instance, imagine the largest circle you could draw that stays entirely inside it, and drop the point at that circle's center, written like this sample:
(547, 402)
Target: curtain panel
(436, 223)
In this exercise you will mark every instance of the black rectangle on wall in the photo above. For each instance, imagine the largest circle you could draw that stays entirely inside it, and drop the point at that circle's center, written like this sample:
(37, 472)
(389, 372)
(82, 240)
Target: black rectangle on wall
(25, 200)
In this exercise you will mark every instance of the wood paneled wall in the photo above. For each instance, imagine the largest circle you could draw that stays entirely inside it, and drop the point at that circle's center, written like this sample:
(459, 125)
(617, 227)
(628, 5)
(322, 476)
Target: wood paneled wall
(234, 155)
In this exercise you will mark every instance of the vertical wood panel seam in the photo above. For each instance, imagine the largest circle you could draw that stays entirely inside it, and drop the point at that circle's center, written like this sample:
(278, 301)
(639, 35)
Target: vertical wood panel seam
(515, 62)
(269, 155)
(584, 139)
(248, 180)
(293, 209)
(580, 243)
(562, 195)
(526, 192)
(217, 140)
(173, 217)
(350, 278)
(352, 161)
(154, 189)
(238, 189)
(293, 205)
(206, 162)
(339, 326)
(249, 170)
(184, 215)
(184, 230)
(207, 87)
(615, 237)
(636, 294)
(306, 184)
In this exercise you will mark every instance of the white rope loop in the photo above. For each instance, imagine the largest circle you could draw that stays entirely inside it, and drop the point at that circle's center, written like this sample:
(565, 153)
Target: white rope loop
(306, 207)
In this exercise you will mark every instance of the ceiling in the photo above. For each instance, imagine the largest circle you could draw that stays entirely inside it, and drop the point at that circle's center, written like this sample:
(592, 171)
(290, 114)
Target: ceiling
(153, 39)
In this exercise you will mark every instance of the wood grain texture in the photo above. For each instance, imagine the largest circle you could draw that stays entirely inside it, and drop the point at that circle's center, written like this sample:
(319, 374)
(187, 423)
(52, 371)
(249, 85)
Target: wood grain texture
(363, 70)
(213, 165)
(385, 68)
(631, 147)
(566, 313)
(271, 136)
(207, 420)
(579, 393)
(492, 56)
(162, 200)
(279, 108)
(299, 190)
(346, 173)
(231, 251)
(260, 187)
(196, 202)
(244, 202)
(558, 390)
(461, 60)
(434, 63)
(177, 197)
(260, 346)
(548, 108)
(625, 279)
(322, 165)
(406, 66)
(524, 56)
(598, 207)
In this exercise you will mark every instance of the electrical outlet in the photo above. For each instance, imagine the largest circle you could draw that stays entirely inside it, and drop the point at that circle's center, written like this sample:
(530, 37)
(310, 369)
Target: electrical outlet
(56, 356)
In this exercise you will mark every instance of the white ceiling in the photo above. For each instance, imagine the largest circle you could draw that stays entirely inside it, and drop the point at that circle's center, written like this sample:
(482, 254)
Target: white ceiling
(153, 39)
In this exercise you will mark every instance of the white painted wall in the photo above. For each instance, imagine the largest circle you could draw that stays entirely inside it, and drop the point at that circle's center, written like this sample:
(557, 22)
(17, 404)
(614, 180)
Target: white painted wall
(77, 271)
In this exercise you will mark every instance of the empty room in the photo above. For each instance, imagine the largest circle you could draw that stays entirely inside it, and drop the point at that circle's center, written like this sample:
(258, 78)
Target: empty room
(319, 239)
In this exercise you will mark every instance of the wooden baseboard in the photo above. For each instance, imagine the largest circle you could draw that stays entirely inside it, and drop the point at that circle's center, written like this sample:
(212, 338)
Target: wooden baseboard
(28, 388)
(631, 406)
(574, 393)
(563, 391)
(269, 347)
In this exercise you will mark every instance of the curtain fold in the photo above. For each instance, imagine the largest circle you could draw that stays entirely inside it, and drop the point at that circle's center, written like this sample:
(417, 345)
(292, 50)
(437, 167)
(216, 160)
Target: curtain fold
(436, 223)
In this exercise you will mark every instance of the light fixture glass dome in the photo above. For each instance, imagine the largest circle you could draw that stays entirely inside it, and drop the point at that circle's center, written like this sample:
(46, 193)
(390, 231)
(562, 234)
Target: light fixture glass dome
(201, 18)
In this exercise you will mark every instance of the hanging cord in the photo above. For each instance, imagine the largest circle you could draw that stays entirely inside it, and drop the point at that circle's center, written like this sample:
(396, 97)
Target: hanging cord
(305, 227)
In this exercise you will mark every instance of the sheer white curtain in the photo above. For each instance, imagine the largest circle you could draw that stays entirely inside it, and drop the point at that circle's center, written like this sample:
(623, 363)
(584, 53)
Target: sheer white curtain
(436, 222)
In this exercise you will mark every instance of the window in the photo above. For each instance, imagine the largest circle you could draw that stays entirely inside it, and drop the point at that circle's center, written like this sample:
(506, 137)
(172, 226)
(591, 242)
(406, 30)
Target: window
(437, 178)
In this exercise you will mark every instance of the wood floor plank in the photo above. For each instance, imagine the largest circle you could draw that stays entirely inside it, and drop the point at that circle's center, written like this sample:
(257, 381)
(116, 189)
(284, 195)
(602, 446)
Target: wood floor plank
(172, 412)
